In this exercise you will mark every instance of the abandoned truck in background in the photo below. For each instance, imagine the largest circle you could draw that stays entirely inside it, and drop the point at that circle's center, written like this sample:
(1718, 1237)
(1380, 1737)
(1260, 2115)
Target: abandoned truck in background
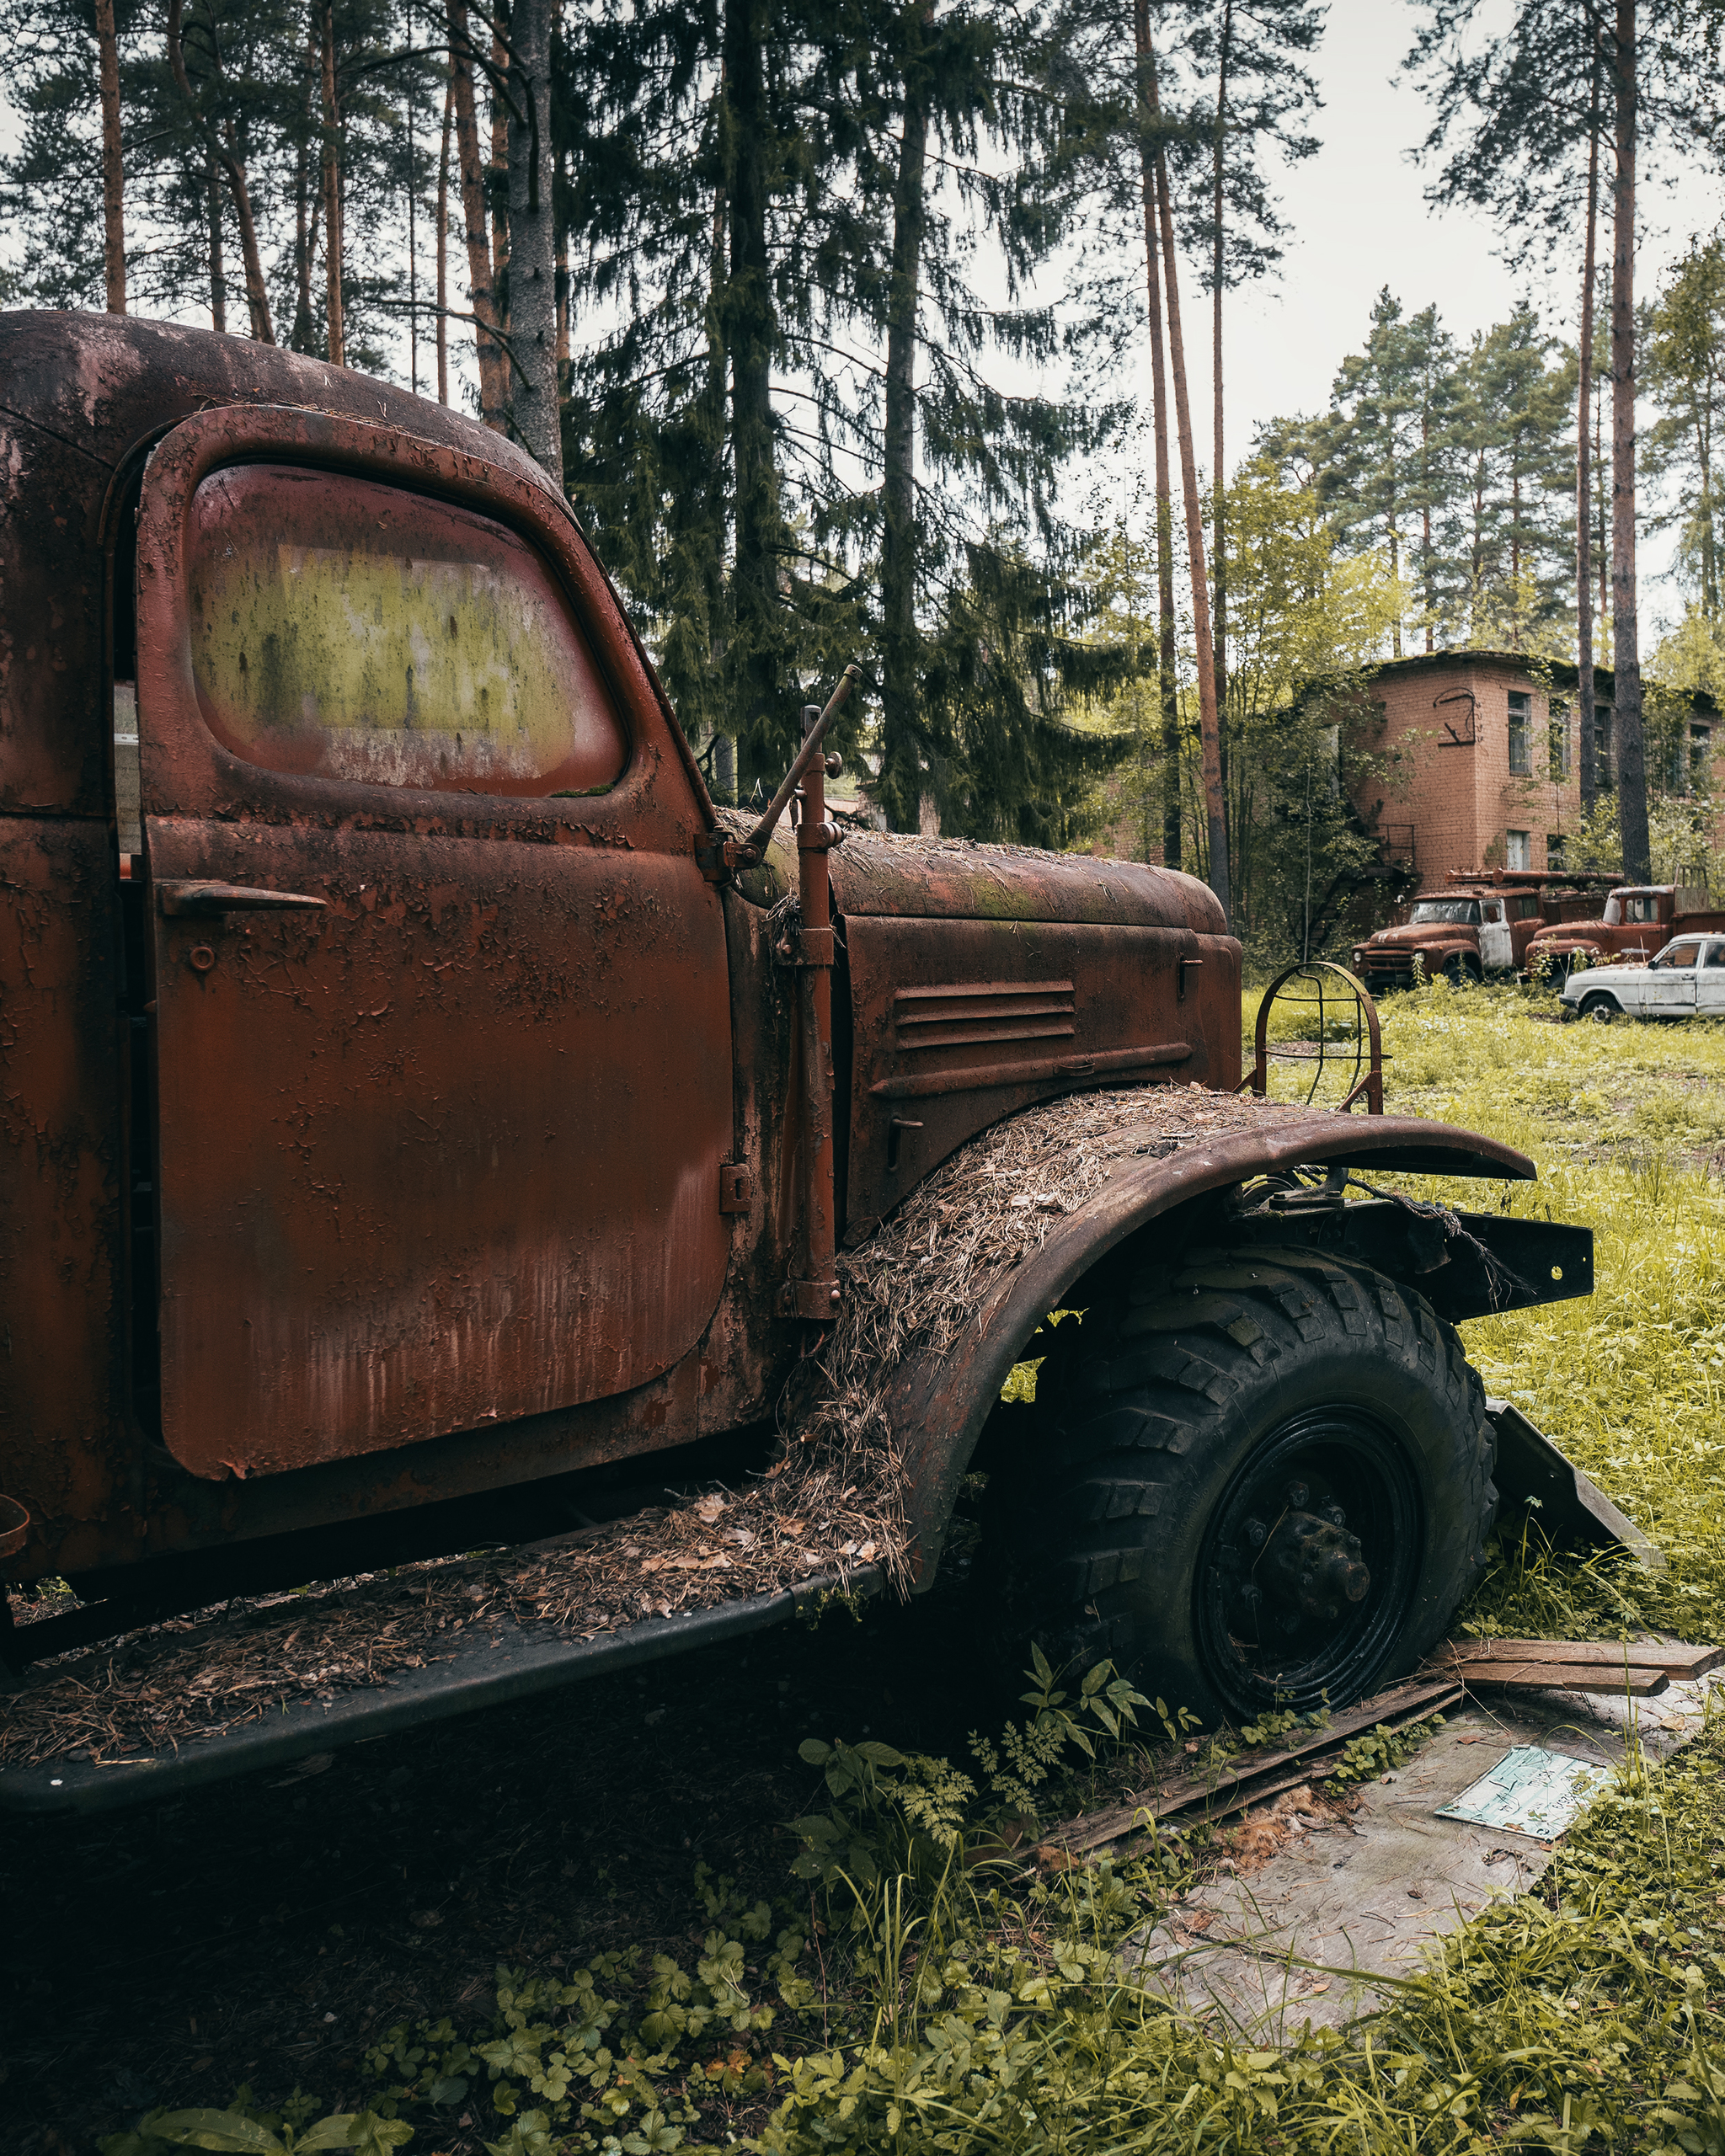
(430, 1098)
(1479, 921)
(1636, 922)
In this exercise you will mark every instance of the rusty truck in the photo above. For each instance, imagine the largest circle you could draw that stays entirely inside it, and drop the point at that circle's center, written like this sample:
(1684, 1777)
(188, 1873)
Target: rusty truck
(1477, 922)
(423, 1106)
(1636, 923)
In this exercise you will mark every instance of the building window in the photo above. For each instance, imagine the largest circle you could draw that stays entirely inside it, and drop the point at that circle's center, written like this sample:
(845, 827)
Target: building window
(1557, 740)
(1605, 769)
(1700, 758)
(1555, 843)
(1520, 734)
(1518, 850)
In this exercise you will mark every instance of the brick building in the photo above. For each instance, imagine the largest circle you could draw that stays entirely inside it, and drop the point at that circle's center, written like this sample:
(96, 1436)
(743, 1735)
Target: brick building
(1473, 758)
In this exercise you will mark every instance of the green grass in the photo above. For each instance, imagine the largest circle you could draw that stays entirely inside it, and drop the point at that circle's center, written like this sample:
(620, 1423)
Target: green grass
(1626, 1126)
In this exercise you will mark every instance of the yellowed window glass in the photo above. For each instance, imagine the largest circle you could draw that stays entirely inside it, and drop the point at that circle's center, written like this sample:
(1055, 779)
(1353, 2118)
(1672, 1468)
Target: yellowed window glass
(344, 629)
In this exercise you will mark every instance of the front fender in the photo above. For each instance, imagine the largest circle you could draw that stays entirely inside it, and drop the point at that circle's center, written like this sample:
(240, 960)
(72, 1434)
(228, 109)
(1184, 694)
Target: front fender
(936, 1404)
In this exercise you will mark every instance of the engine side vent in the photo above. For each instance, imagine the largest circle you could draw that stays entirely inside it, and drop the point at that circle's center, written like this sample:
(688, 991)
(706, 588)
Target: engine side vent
(957, 1013)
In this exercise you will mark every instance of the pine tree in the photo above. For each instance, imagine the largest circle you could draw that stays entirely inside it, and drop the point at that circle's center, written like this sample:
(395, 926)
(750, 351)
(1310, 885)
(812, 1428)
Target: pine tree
(1374, 460)
(1685, 377)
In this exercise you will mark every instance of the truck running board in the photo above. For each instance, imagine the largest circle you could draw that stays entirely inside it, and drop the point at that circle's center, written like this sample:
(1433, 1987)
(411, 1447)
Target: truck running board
(486, 1670)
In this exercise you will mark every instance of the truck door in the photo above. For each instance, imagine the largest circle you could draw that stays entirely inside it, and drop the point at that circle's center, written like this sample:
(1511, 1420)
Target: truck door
(441, 1028)
(1710, 982)
(1497, 953)
(1669, 989)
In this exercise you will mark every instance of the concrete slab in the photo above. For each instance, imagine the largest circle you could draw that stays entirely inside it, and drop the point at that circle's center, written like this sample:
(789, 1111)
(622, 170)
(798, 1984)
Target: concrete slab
(1320, 1908)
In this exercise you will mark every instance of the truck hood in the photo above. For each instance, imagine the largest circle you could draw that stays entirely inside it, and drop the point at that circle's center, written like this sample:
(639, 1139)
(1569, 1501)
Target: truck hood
(1414, 936)
(884, 873)
(1566, 932)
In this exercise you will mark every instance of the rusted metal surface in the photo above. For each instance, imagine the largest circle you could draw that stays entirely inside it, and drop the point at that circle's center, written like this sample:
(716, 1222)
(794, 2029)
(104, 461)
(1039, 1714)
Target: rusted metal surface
(957, 1022)
(445, 1151)
(941, 1403)
(14, 1526)
(948, 879)
(61, 1166)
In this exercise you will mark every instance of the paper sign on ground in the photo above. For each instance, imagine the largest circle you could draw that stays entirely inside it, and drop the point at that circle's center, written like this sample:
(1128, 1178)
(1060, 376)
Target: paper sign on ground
(1530, 1792)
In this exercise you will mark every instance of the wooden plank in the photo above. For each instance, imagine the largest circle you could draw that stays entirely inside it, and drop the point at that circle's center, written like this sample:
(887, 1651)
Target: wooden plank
(1563, 1677)
(1673, 1657)
(1245, 1781)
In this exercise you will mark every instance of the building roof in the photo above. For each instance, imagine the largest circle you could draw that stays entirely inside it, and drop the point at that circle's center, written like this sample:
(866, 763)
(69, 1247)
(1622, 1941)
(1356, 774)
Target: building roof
(1563, 672)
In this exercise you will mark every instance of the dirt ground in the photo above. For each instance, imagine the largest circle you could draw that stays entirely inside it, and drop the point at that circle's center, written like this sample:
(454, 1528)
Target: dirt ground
(262, 1930)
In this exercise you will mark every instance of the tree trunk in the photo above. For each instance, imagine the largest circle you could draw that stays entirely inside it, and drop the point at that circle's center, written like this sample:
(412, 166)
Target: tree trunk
(481, 291)
(1219, 555)
(725, 746)
(218, 274)
(413, 225)
(1425, 518)
(1214, 803)
(900, 760)
(751, 328)
(1625, 646)
(113, 172)
(332, 190)
(1516, 562)
(256, 294)
(1584, 478)
(443, 243)
(1167, 685)
(497, 194)
(305, 218)
(532, 239)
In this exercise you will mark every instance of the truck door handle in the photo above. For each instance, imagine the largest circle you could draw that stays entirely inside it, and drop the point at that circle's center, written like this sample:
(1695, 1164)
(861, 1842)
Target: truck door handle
(176, 896)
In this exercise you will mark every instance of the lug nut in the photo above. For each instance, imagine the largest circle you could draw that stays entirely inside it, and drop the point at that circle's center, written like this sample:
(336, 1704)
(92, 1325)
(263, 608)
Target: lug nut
(1256, 1533)
(1335, 1515)
(1297, 1495)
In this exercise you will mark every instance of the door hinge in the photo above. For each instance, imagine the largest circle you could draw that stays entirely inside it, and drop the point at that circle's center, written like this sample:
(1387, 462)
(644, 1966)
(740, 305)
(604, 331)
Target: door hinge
(736, 1186)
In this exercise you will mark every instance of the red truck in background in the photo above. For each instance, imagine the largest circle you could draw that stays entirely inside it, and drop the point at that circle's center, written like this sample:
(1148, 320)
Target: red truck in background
(1480, 922)
(1639, 919)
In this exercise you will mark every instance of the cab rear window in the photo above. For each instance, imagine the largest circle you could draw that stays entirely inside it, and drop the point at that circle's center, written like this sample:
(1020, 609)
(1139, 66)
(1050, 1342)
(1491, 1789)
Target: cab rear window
(345, 629)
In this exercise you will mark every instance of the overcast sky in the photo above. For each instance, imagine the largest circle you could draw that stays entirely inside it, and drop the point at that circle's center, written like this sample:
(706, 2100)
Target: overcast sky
(1360, 221)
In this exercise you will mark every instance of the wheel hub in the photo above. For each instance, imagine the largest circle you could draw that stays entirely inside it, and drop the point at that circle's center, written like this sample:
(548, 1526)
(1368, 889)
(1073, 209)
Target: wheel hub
(1310, 1562)
(1314, 1566)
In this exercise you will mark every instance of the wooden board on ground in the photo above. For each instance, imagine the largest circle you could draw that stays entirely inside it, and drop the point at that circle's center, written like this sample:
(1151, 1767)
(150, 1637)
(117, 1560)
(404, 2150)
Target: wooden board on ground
(1257, 1775)
(1675, 1658)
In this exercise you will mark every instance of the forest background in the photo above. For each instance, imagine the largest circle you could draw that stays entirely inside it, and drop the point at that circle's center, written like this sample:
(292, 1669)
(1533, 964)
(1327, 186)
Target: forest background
(905, 329)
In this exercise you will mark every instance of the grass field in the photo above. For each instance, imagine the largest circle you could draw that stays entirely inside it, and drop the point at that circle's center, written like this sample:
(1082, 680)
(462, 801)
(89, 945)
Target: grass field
(1626, 1126)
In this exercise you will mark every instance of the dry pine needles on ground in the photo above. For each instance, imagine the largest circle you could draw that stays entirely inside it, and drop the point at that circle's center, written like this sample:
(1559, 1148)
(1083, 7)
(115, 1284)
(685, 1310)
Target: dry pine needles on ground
(831, 1504)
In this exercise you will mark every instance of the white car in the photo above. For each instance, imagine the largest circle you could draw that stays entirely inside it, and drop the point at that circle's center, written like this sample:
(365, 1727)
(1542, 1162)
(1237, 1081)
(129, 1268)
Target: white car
(1685, 980)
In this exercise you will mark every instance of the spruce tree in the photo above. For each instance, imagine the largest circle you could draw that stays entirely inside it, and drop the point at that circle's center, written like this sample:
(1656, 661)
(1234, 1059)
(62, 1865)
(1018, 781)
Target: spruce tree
(1685, 377)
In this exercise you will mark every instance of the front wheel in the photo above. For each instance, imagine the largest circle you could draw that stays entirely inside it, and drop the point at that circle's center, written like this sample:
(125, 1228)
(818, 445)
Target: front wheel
(1601, 1008)
(1263, 1479)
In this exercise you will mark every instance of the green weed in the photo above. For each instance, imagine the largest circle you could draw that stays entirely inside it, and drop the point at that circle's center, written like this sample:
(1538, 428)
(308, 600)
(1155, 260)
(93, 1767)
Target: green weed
(1623, 1123)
